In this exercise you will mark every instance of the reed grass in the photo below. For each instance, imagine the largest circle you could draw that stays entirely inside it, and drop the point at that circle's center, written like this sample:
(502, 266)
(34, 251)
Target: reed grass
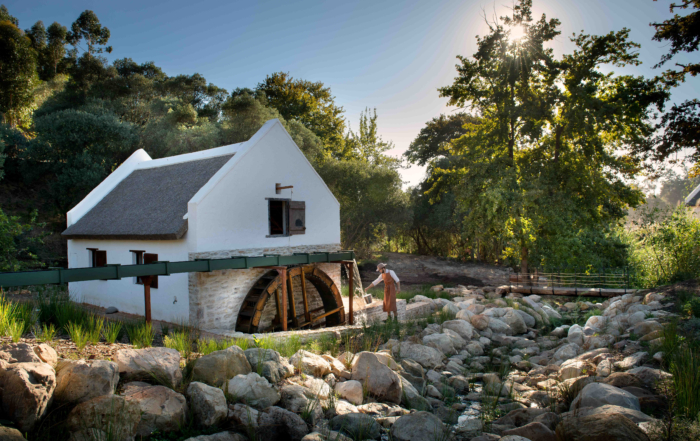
(46, 333)
(111, 331)
(78, 335)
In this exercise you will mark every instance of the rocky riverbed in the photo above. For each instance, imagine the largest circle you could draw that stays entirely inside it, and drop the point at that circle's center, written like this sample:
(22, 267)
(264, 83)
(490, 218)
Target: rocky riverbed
(483, 366)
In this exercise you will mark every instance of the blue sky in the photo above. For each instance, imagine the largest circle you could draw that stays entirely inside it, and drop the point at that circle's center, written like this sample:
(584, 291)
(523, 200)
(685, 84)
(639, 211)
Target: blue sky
(388, 55)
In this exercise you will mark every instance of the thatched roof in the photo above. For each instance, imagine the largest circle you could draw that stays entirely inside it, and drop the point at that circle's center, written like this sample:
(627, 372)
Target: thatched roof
(149, 204)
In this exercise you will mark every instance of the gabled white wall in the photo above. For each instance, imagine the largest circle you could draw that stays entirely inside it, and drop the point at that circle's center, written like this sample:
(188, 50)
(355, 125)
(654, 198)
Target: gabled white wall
(125, 294)
(231, 211)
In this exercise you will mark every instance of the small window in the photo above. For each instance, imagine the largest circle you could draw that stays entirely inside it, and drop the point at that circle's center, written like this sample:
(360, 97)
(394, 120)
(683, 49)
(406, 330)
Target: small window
(297, 217)
(278, 217)
(140, 257)
(97, 257)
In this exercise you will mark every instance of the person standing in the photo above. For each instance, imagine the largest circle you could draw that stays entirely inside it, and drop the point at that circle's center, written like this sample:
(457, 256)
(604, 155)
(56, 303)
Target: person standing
(392, 286)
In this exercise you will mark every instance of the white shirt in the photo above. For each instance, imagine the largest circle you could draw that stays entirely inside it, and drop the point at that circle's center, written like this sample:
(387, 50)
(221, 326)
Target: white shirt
(391, 273)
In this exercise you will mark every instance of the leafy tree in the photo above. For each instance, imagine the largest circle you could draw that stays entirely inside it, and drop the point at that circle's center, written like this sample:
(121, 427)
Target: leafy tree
(17, 71)
(366, 145)
(682, 121)
(5, 16)
(55, 49)
(87, 28)
(37, 34)
(552, 149)
(310, 103)
(207, 99)
(434, 139)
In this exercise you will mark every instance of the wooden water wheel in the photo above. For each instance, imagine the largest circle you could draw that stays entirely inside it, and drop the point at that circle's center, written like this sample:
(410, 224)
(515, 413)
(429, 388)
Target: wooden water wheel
(268, 289)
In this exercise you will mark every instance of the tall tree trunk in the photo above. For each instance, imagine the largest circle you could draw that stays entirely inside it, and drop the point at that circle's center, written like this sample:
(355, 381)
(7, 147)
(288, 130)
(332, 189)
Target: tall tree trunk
(523, 259)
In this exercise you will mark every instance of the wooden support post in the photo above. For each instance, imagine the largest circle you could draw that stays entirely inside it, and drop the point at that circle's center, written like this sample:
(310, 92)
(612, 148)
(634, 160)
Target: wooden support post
(147, 295)
(277, 304)
(307, 314)
(290, 286)
(351, 289)
(283, 275)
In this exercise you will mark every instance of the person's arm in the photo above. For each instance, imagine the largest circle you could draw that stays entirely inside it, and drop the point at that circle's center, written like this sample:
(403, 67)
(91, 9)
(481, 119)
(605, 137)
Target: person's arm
(396, 279)
(376, 282)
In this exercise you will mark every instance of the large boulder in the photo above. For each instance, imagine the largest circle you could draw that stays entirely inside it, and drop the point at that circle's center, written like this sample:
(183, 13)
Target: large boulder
(462, 327)
(534, 431)
(221, 436)
(381, 382)
(18, 353)
(162, 409)
(310, 363)
(411, 398)
(271, 424)
(498, 326)
(105, 417)
(515, 321)
(81, 380)
(274, 366)
(635, 415)
(424, 355)
(350, 390)
(218, 367)
(25, 391)
(440, 341)
(356, 425)
(600, 394)
(480, 321)
(208, 404)
(300, 399)
(161, 363)
(253, 390)
(608, 427)
(418, 426)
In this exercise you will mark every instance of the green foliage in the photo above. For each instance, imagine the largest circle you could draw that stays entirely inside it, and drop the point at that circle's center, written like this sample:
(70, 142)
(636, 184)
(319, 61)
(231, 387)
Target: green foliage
(434, 139)
(664, 247)
(16, 329)
(111, 331)
(18, 67)
(46, 333)
(140, 333)
(78, 335)
(87, 29)
(16, 242)
(180, 340)
(93, 329)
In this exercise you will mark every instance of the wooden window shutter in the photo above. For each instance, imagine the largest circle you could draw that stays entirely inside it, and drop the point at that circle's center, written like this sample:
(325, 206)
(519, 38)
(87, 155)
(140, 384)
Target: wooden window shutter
(297, 217)
(100, 257)
(150, 258)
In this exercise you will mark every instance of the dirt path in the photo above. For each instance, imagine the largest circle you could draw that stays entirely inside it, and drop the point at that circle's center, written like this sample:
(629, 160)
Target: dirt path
(426, 270)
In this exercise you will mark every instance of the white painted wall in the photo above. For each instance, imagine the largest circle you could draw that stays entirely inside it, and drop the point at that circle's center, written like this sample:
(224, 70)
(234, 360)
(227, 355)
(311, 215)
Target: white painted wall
(232, 212)
(125, 294)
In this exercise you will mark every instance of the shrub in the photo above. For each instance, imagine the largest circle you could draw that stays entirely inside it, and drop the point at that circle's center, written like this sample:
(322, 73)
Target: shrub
(111, 331)
(78, 335)
(141, 334)
(46, 333)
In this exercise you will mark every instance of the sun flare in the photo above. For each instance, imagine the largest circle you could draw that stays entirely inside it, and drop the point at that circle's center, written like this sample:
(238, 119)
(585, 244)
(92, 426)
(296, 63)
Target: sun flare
(517, 33)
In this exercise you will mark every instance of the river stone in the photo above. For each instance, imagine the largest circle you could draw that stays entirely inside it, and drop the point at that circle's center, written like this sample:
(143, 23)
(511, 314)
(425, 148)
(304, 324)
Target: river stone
(221, 436)
(411, 398)
(567, 351)
(440, 341)
(310, 363)
(632, 360)
(418, 426)
(424, 355)
(25, 392)
(277, 424)
(480, 322)
(600, 394)
(218, 367)
(380, 381)
(208, 404)
(350, 390)
(163, 363)
(635, 415)
(498, 326)
(608, 427)
(356, 425)
(254, 390)
(162, 409)
(10, 434)
(532, 431)
(462, 327)
(515, 322)
(111, 414)
(274, 367)
(81, 380)
(457, 341)
(529, 320)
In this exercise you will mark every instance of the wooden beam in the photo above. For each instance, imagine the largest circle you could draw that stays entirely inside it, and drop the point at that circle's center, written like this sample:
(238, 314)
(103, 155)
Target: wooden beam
(147, 295)
(307, 314)
(351, 293)
(283, 275)
(290, 286)
(332, 311)
(277, 304)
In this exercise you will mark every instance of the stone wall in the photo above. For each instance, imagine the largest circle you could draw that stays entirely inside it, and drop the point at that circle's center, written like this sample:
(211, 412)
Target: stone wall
(216, 297)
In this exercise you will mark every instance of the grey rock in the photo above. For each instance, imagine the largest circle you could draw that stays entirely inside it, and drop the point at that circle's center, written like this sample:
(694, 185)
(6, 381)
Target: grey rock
(418, 426)
(79, 381)
(220, 366)
(356, 425)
